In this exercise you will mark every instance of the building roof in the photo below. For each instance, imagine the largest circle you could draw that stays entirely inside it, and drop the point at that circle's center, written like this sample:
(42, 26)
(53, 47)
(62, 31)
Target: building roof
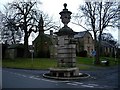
(80, 34)
(14, 46)
(106, 44)
(42, 38)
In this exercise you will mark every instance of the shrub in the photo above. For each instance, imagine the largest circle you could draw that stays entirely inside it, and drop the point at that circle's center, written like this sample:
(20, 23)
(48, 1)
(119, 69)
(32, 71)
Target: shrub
(83, 53)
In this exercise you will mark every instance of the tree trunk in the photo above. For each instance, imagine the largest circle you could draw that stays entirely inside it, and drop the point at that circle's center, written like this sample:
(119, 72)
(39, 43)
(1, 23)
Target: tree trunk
(26, 50)
(99, 46)
(97, 60)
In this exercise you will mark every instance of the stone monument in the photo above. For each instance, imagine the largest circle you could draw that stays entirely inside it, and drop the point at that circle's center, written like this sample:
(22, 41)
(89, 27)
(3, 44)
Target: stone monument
(66, 51)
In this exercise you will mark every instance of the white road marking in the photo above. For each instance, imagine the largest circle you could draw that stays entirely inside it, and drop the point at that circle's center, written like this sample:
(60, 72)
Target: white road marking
(23, 76)
(32, 77)
(17, 74)
(37, 78)
(77, 82)
(87, 86)
(53, 81)
(67, 82)
(72, 84)
(93, 77)
(49, 80)
(94, 84)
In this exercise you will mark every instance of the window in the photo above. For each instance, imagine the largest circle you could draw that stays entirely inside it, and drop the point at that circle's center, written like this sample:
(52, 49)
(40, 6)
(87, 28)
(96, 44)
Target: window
(88, 49)
(88, 39)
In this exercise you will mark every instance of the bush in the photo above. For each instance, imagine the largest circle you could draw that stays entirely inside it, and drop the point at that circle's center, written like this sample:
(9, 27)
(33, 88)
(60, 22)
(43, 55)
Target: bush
(82, 53)
(43, 54)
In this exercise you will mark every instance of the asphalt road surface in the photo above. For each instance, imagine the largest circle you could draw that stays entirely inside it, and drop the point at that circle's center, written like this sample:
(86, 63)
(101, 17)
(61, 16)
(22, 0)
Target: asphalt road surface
(20, 78)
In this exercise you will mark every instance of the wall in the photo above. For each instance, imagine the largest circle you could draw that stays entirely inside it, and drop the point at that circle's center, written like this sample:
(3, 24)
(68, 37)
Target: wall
(88, 43)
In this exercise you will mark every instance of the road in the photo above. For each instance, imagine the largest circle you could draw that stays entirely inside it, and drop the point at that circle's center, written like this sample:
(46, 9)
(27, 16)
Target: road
(20, 78)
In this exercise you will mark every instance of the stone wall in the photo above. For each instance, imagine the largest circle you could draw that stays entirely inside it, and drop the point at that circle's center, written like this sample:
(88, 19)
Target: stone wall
(86, 43)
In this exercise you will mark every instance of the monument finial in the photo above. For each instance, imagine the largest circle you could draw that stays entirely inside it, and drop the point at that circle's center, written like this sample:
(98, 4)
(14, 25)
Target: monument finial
(65, 15)
(65, 5)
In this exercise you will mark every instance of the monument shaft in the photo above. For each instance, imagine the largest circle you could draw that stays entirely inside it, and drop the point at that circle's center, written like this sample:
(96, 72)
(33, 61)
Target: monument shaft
(66, 52)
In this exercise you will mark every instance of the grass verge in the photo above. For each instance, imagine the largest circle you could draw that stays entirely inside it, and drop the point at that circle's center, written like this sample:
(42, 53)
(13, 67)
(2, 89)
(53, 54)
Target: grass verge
(42, 63)
(84, 63)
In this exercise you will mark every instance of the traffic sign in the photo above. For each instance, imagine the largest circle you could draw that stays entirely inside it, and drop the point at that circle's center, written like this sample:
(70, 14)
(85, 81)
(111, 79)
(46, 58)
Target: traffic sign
(93, 53)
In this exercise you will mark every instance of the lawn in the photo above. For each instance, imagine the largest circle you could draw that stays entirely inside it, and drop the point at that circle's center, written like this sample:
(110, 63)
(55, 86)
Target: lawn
(42, 63)
(45, 63)
(89, 61)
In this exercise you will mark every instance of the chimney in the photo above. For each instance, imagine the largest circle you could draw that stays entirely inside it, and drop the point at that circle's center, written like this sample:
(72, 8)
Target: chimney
(51, 32)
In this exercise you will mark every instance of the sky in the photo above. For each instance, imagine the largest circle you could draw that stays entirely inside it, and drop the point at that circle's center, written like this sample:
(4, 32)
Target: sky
(53, 7)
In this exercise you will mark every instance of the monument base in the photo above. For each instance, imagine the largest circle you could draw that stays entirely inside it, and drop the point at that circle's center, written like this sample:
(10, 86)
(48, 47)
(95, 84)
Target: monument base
(65, 73)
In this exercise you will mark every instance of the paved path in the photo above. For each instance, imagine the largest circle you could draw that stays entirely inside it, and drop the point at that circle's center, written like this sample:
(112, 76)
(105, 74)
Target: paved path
(18, 78)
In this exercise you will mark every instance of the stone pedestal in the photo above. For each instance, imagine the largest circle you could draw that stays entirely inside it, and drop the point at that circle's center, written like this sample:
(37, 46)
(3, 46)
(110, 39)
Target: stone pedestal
(66, 52)
(64, 72)
(66, 57)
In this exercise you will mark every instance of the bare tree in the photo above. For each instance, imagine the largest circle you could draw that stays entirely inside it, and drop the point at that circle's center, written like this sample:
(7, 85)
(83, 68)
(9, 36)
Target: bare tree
(106, 37)
(27, 16)
(10, 32)
(48, 23)
(97, 17)
(25, 13)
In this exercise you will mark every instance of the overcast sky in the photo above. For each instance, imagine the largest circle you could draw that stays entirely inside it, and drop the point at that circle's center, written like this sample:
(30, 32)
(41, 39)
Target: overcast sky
(53, 7)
